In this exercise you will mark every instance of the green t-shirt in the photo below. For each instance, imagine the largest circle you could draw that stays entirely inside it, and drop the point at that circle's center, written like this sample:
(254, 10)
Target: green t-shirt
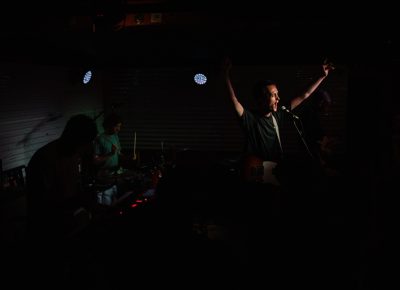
(103, 146)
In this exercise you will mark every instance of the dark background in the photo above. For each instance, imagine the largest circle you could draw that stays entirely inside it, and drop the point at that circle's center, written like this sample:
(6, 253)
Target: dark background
(363, 39)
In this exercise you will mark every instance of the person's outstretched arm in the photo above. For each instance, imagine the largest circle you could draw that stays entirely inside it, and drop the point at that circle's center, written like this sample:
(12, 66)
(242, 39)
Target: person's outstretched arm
(226, 70)
(326, 67)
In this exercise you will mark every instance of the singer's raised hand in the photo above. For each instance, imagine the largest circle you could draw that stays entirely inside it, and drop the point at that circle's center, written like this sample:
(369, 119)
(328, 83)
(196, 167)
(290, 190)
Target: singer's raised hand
(327, 66)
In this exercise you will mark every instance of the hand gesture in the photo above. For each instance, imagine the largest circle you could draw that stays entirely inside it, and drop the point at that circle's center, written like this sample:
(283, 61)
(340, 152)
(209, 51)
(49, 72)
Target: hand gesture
(327, 66)
(113, 149)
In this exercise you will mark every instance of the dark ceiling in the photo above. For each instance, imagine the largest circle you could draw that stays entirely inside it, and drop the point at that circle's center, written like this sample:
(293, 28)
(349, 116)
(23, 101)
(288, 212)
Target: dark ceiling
(120, 32)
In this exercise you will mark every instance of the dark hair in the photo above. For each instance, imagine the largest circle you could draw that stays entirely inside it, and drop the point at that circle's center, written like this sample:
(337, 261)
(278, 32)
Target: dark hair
(260, 89)
(80, 129)
(111, 121)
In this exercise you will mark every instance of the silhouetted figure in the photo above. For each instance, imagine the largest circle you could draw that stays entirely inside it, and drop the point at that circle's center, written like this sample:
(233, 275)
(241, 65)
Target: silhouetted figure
(58, 208)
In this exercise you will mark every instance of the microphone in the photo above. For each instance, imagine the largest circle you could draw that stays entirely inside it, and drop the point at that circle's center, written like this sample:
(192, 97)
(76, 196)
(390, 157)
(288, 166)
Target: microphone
(290, 112)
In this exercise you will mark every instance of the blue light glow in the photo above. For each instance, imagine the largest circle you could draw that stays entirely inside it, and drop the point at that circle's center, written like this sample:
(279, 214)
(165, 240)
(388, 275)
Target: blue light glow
(200, 79)
(87, 77)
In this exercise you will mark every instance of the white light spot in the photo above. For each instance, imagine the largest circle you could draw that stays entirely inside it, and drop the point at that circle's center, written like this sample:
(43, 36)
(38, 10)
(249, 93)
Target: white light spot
(87, 77)
(200, 79)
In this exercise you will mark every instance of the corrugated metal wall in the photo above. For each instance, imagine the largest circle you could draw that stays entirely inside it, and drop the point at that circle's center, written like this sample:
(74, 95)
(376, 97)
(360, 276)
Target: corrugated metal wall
(165, 105)
(35, 103)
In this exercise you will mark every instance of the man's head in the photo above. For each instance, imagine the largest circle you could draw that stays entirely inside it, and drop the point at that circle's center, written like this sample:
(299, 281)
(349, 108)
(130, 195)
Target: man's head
(112, 124)
(79, 132)
(266, 95)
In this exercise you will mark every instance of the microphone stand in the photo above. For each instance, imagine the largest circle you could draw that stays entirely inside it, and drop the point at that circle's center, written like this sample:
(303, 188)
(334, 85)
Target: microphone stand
(301, 134)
